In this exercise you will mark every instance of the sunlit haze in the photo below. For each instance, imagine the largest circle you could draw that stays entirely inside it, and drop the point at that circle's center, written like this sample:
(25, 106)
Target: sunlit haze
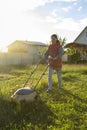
(36, 20)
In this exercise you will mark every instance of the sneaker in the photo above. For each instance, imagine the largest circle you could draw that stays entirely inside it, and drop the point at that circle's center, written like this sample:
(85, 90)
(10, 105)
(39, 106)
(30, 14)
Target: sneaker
(48, 90)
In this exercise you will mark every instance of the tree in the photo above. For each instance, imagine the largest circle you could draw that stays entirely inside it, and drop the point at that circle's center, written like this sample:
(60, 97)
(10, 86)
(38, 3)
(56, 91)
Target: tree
(76, 57)
(70, 51)
(62, 41)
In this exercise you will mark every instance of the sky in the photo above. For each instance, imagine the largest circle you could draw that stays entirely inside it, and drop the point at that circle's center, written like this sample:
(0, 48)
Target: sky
(36, 20)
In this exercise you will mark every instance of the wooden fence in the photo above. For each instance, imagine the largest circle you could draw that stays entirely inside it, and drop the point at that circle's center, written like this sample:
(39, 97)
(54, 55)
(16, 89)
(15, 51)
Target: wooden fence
(20, 58)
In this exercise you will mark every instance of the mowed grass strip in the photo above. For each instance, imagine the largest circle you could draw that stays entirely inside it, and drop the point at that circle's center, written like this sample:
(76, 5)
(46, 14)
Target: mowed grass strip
(64, 109)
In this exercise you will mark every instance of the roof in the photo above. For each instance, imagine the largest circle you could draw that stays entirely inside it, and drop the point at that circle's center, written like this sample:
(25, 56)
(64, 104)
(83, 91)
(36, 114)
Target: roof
(73, 43)
(34, 43)
(76, 45)
(80, 33)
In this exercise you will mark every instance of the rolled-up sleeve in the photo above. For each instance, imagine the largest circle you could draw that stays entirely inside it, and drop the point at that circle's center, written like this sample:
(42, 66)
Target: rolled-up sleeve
(60, 53)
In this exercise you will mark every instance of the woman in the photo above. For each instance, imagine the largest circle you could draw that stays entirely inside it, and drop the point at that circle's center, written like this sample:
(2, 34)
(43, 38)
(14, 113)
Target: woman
(54, 56)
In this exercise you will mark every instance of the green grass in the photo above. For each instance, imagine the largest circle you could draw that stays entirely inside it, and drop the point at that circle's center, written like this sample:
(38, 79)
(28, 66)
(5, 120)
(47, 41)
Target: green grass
(64, 109)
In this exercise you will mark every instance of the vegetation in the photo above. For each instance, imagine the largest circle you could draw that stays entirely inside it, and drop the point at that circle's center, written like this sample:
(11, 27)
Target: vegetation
(76, 57)
(62, 41)
(64, 109)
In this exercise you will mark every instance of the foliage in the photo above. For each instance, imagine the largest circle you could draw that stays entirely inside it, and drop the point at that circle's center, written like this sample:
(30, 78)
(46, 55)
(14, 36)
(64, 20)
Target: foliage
(62, 41)
(70, 51)
(64, 109)
(42, 50)
(75, 58)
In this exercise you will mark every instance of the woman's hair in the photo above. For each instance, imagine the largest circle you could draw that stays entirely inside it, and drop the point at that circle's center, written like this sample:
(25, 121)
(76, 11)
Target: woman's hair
(55, 35)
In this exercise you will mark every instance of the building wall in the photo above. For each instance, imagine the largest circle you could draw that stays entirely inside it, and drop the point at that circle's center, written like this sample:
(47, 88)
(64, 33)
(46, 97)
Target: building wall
(65, 58)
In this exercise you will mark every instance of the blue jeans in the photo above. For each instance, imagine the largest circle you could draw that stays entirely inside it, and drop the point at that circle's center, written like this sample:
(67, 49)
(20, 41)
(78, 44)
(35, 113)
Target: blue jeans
(59, 76)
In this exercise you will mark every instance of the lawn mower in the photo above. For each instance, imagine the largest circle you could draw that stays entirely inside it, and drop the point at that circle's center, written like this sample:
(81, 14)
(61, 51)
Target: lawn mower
(27, 94)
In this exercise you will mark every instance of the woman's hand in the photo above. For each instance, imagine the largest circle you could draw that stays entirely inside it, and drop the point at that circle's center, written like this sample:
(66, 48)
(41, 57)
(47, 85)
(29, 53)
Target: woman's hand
(55, 58)
(50, 58)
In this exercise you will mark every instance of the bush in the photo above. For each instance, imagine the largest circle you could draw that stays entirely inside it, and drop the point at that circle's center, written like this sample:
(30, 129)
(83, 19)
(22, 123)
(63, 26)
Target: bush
(75, 57)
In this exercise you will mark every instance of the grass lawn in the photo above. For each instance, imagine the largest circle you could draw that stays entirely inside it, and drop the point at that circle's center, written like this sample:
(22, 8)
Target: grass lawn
(64, 109)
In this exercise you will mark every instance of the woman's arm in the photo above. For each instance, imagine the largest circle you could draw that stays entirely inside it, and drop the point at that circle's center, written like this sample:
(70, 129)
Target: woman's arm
(60, 53)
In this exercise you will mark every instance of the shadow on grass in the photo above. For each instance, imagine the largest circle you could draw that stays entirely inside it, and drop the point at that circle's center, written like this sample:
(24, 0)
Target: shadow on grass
(63, 93)
(79, 107)
(66, 96)
(84, 72)
(29, 115)
(70, 78)
(69, 93)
